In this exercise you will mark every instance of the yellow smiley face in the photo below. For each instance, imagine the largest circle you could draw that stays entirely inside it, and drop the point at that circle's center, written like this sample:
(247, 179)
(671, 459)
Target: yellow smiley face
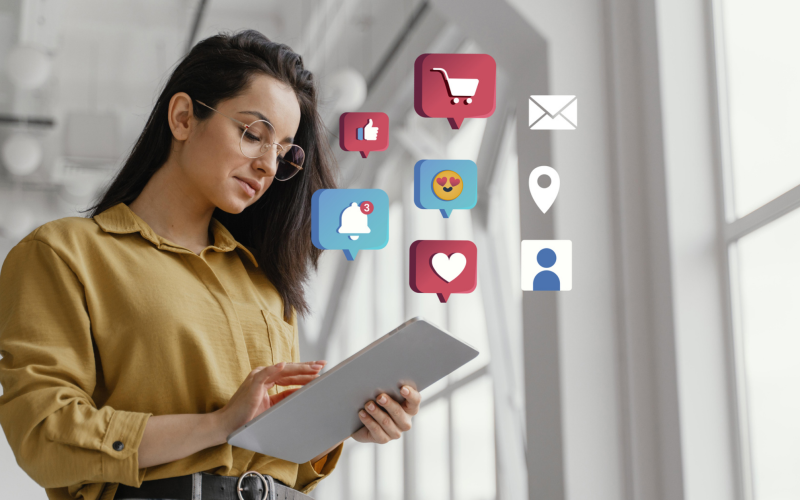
(447, 185)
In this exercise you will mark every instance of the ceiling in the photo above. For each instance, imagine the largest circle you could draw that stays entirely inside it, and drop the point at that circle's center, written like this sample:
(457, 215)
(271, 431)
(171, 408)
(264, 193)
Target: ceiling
(110, 57)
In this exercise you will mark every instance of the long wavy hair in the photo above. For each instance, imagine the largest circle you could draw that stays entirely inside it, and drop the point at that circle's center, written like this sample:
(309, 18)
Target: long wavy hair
(277, 228)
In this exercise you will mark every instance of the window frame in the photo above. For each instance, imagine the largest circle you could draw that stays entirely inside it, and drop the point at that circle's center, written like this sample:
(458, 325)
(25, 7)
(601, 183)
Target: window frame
(733, 229)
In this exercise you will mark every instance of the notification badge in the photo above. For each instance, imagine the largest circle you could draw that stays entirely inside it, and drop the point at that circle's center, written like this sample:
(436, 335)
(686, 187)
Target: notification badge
(350, 220)
(446, 185)
(443, 267)
(455, 86)
(364, 132)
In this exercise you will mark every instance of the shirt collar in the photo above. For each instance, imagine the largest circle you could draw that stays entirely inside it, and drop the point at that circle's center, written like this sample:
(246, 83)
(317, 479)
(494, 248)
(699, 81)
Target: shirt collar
(120, 219)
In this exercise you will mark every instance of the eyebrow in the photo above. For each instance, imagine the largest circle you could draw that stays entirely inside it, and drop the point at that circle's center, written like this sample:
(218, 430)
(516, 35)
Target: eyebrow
(260, 116)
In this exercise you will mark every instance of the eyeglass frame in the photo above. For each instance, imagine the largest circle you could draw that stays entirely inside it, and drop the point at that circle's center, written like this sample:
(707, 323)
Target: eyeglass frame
(246, 127)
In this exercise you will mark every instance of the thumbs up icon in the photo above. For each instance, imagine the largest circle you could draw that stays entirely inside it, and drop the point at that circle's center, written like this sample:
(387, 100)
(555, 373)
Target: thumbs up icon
(368, 133)
(359, 132)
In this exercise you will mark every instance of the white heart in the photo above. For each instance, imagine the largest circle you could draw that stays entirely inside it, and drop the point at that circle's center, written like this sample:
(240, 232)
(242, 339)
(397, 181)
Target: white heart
(449, 268)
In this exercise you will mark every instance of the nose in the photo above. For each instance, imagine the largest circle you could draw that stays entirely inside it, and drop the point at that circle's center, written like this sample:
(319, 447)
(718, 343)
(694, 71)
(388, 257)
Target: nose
(268, 162)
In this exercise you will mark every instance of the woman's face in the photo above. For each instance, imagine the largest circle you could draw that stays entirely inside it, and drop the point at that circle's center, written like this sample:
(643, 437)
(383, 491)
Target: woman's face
(211, 158)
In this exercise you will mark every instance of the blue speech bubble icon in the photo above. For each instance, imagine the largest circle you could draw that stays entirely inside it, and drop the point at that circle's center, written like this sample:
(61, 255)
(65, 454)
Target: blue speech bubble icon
(350, 220)
(446, 185)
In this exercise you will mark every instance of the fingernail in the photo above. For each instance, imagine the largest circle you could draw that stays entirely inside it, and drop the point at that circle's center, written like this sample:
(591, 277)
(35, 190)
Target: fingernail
(404, 391)
(382, 399)
(362, 413)
(370, 407)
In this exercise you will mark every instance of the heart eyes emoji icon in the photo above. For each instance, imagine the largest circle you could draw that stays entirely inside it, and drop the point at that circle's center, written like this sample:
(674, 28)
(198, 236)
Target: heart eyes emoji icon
(447, 185)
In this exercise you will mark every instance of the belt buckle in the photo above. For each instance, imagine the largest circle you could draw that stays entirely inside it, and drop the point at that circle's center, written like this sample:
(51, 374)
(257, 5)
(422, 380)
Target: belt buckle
(269, 485)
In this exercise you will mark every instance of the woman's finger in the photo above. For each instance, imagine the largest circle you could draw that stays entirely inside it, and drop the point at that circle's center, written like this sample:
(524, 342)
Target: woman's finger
(375, 430)
(281, 396)
(385, 421)
(397, 412)
(299, 369)
(411, 404)
(274, 372)
(296, 380)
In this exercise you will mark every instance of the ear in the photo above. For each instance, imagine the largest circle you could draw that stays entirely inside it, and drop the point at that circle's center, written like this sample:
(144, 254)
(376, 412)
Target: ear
(180, 115)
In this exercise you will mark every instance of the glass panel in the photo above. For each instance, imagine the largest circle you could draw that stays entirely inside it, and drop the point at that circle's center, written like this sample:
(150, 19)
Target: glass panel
(770, 350)
(432, 453)
(390, 470)
(362, 471)
(467, 320)
(390, 277)
(473, 441)
(763, 75)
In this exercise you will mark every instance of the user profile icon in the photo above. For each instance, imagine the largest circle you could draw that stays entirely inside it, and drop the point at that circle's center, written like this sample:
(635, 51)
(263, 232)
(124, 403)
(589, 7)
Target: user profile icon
(546, 265)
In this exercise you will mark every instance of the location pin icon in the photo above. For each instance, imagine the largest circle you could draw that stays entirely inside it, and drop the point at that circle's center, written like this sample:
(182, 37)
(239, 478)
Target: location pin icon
(544, 196)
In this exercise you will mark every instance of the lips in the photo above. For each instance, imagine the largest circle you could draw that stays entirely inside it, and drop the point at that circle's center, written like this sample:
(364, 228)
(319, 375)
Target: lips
(250, 186)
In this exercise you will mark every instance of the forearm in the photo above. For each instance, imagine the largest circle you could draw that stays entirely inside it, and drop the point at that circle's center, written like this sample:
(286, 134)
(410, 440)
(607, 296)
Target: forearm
(171, 437)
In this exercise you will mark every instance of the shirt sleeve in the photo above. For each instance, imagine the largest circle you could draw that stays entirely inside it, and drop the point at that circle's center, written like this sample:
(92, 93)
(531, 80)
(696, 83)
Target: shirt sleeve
(56, 432)
(319, 464)
(307, 476)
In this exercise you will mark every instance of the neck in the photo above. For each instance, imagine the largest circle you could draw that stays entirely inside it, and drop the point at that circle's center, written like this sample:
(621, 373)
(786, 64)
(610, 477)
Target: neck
(174, 208)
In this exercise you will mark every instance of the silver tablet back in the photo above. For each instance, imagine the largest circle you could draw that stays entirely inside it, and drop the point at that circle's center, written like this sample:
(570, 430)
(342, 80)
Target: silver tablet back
(325, 412)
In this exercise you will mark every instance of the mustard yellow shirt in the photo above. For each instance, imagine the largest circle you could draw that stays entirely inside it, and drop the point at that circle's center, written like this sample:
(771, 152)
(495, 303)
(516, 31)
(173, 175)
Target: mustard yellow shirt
(103, 323)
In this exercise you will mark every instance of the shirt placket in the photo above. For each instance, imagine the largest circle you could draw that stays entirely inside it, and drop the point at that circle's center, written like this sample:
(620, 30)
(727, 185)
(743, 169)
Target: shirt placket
(209, 278)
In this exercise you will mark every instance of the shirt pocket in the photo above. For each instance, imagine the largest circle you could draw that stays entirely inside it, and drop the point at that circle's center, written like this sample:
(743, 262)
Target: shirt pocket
(281, 337)
(256, 337)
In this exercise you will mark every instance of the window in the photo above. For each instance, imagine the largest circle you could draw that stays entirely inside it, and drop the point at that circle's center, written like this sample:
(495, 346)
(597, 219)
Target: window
(758, 77)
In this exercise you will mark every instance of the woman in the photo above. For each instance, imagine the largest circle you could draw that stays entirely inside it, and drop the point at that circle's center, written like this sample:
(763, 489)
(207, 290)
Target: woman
(135, 341)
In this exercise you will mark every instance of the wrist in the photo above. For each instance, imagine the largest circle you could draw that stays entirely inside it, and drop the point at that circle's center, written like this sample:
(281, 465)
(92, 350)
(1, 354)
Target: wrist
(217, 430)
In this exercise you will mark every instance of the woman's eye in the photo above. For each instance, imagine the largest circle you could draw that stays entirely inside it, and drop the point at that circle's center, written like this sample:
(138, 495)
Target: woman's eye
(251, 137)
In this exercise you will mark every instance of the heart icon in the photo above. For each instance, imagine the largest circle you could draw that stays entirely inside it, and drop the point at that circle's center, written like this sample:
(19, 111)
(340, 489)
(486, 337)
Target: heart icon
(449, 268)
(442, 180)
(454, 181)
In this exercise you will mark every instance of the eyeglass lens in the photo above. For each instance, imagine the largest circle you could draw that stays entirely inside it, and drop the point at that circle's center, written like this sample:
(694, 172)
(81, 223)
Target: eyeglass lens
(259, 136)
(289, 162)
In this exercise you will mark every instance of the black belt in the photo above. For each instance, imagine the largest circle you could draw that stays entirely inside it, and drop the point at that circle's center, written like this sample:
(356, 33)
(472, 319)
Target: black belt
(204, 486)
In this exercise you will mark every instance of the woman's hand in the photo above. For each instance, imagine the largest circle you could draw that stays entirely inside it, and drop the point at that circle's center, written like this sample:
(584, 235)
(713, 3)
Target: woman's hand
(388, 419)
(251, 398)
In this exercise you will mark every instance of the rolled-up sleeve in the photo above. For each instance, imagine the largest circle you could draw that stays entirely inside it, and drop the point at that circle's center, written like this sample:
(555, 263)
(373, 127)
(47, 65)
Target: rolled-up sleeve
(307, 476)
(58, 435)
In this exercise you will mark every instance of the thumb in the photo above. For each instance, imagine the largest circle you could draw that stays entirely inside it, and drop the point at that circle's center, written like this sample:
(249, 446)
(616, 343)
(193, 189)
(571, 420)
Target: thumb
(370, 123)
(281, 395)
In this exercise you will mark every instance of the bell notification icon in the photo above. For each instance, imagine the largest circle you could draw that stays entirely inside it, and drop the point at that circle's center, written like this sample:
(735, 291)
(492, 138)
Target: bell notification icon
(350, 220)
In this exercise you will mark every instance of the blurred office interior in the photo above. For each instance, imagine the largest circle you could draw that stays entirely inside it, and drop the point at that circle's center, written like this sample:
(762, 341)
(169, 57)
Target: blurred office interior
(669, 371)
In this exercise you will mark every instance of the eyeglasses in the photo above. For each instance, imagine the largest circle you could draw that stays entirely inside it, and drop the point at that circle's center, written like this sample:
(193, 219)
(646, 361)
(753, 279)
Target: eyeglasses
(256, 140)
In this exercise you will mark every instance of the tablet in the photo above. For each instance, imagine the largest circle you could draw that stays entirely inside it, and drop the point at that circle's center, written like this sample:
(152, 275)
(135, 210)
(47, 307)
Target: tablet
(324, 412)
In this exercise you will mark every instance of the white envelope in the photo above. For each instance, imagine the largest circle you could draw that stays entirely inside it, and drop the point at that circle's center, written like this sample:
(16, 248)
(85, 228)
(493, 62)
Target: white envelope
(553, 112)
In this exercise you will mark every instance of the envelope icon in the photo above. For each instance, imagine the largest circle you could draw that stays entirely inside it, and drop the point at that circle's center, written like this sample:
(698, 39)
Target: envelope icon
(553, 112)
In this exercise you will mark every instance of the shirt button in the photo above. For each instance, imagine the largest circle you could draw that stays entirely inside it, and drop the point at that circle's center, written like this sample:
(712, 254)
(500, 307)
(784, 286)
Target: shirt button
(118, 445)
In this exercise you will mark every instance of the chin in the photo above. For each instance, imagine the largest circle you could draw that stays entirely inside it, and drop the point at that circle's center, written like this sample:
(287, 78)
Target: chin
(233, 204)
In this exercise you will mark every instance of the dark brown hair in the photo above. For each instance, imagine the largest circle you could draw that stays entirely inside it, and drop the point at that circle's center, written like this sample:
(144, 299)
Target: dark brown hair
(277, 228)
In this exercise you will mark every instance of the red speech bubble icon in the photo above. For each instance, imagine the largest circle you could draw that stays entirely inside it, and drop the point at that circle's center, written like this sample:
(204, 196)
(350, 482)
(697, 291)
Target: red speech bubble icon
(443, 267)
(364, 132)
(455, 86)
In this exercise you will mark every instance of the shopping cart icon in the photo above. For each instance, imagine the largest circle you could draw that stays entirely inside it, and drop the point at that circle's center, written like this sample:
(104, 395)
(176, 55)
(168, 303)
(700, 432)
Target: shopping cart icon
(459, 87)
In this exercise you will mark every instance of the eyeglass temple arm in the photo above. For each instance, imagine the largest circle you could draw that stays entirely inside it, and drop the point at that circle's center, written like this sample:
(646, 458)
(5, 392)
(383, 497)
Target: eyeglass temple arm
(223, 114)
(245, 126)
